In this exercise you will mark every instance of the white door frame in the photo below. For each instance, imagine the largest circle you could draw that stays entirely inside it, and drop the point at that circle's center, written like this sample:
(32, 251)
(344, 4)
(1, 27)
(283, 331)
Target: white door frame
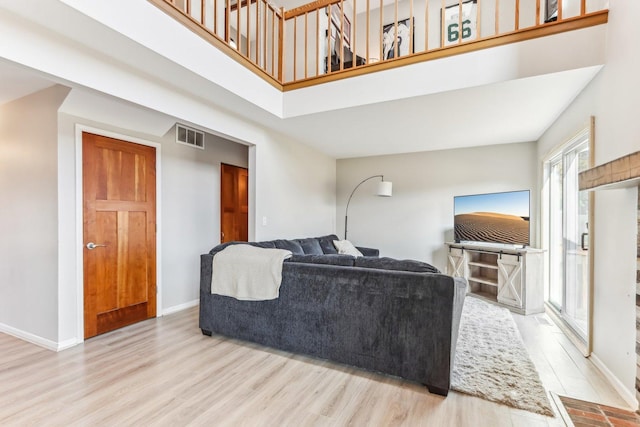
(80, 128)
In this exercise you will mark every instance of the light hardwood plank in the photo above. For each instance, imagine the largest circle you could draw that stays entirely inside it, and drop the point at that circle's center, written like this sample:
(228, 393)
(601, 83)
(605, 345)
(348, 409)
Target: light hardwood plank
(164, 372)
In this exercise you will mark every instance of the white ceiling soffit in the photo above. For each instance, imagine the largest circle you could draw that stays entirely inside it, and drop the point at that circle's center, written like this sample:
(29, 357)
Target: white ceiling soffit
(501, 113)
(16, 82)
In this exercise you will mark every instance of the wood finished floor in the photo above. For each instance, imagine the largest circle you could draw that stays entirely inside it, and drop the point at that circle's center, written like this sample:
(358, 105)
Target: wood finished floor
(164, 372)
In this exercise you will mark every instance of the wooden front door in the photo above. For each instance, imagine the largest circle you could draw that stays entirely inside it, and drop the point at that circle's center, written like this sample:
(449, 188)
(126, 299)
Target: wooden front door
(119, 191)
(234, 204)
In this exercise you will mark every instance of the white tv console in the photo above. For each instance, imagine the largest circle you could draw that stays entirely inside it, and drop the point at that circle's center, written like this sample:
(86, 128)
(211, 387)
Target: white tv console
(505, 275)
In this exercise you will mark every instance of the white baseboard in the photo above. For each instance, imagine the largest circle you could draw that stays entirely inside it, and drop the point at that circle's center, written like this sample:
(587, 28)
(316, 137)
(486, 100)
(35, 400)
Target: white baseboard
(627, 395)
(37, 340)
(180, 307)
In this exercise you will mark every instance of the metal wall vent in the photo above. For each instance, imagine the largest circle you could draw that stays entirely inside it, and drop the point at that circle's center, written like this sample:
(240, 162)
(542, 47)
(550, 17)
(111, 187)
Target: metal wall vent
(189, 136)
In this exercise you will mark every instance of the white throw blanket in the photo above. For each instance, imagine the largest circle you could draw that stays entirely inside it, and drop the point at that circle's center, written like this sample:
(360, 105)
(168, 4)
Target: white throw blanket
(248, 273)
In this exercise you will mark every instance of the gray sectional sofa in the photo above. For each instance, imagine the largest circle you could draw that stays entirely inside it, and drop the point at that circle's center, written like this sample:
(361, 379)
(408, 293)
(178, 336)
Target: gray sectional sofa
(367, 312)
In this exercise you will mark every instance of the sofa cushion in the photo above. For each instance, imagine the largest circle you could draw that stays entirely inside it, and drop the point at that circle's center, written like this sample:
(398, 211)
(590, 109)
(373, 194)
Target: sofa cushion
(331, 259)
(345, 247)
(310, 246)
(326, 243)
(396, 264)
(290, 245)
(267, 245)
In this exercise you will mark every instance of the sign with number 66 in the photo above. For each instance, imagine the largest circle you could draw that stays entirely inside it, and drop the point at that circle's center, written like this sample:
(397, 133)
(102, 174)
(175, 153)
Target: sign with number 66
(453, 31)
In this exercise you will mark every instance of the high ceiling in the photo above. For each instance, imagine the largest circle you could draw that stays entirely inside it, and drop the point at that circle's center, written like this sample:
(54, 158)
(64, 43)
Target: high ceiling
(511, 99)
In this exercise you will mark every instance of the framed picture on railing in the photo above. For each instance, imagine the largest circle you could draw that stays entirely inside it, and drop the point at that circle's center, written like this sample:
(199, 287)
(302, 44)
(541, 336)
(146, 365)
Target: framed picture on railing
(456, 30)
(335, 22)
(404, 39)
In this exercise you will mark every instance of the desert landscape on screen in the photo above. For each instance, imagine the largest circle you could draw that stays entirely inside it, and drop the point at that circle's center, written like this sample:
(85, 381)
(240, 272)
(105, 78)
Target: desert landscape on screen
(492, 227)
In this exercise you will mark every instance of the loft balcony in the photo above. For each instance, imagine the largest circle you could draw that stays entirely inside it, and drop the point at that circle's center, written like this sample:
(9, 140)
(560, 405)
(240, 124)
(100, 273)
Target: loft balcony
(329, 40)
(497, 89)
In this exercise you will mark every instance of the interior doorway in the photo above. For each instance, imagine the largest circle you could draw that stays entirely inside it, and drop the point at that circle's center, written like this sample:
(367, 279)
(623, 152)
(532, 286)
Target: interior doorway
(234, 203)
(119, 232)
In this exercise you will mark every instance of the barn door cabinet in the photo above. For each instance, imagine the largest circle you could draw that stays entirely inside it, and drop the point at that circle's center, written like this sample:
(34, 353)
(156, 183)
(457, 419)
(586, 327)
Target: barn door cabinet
(506, 276)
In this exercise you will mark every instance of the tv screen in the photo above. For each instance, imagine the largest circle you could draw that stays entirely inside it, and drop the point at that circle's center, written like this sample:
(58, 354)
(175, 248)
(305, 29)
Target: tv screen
(494, 218)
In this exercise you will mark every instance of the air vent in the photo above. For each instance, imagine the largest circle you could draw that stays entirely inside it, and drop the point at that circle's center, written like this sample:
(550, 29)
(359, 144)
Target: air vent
(189, 136)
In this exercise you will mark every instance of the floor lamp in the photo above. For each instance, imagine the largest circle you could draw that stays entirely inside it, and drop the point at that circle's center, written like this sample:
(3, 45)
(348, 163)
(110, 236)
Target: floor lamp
(385, 189)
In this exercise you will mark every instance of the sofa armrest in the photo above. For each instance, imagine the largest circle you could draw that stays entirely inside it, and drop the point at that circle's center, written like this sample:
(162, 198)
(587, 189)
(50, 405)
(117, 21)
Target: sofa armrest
(368, 251)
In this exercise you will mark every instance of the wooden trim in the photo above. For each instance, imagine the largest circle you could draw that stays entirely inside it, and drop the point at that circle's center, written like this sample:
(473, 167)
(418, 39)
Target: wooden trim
(309, 7)
(317, 42)
(559, 10)
(216, 41)
(571, 24)
(618, 173)
(243, 3)
(281, 44)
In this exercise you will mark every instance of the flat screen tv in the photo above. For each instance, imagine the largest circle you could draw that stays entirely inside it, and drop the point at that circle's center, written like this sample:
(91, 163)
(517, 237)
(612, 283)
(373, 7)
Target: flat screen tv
(492, 218)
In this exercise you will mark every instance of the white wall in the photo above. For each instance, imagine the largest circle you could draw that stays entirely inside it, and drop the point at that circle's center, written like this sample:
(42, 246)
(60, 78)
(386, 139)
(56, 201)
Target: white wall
(613, 98)
(189, 215)
(295, 190)
(292, 185)
(417, 221)
(28, 216)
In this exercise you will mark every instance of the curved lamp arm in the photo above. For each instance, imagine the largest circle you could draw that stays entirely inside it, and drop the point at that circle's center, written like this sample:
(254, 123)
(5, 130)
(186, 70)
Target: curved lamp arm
(386, 192)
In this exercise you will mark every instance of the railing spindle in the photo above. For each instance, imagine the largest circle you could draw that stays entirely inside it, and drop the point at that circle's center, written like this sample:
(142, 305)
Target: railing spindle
(248, 36)
(381, 41)
(215, 17)
(258, 32)
(227, 21)
(410, 27)
(329, 47)
(368, 25)
(559, 10)
(442, 24)
(537, 12)
(460, 32)
(306, 32)
(341, 51)
(317, 61)
(280, 43)
(295, 46)
(264, 34)
(517, 17)
(188, 7)
(273, 41)
(426, 25)
(396, 48)
(238, 36)
(583, 7)
(202, 8)
(353, 38)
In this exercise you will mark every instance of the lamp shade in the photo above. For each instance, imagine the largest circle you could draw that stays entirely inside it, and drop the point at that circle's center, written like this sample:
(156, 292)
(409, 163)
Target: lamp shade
(385, 189)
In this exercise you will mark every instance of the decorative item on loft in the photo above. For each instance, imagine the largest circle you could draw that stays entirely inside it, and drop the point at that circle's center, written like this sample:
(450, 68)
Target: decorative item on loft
(551, 11)
(451, 23)
(385, 189)
(404, 38)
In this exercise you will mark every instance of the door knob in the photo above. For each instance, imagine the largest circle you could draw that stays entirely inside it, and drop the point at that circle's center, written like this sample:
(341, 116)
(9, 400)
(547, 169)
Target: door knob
(92, 246)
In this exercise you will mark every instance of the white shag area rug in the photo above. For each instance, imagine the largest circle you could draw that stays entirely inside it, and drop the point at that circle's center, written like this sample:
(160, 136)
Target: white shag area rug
(491, 361)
